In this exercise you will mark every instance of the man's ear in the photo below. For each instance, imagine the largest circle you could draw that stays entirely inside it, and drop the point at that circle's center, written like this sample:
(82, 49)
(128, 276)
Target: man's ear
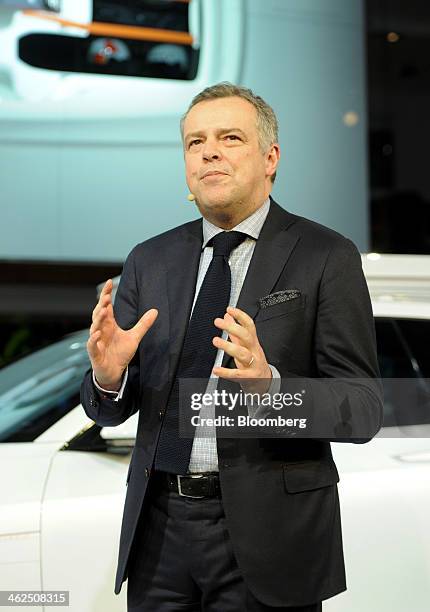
(273, 156)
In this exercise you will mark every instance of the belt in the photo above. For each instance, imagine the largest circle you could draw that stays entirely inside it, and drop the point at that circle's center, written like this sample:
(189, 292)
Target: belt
(191, 485)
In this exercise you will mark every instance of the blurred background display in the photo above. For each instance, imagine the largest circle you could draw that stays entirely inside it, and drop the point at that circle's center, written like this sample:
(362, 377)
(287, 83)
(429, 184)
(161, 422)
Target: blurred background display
(91, 162)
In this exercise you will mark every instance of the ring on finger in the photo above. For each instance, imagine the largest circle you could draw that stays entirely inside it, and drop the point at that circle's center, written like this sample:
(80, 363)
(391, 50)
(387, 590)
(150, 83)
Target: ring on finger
(250, 363)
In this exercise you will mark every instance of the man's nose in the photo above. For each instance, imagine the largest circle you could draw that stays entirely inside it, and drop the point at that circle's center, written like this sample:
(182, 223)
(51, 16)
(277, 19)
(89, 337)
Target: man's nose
(211, 150)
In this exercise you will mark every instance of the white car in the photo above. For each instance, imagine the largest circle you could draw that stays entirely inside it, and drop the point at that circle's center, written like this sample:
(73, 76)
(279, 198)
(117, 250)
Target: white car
(384, 487)
(63, 478)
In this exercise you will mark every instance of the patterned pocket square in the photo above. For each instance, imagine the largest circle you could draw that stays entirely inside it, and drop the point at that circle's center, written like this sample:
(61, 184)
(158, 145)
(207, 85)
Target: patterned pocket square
(279, 297)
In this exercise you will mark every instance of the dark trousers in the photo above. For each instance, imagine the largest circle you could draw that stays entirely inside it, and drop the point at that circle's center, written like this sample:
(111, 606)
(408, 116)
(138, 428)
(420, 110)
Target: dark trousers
(182, 559)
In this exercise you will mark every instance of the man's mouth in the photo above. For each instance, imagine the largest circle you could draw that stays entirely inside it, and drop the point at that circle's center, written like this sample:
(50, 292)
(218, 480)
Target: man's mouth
(214, 173)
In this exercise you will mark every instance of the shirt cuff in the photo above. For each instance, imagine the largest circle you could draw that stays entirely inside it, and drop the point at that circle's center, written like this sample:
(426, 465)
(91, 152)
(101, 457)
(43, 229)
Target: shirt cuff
(275, 386)
(113, 395)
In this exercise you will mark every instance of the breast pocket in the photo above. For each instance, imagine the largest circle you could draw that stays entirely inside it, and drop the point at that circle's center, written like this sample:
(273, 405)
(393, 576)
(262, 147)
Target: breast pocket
(282, 309)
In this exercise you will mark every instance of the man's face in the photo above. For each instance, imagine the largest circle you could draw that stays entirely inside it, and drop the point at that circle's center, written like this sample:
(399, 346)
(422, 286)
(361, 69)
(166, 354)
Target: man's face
(225, 167)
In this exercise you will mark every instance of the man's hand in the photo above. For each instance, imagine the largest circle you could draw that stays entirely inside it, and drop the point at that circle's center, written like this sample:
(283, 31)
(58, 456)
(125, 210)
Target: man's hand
(252, 370)
(111, 348)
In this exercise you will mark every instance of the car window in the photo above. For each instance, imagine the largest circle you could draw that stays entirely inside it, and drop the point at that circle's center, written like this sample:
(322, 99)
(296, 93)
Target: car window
(394, 355)
(417, 334)
(134, 38)
(39, 389)
(406, 400)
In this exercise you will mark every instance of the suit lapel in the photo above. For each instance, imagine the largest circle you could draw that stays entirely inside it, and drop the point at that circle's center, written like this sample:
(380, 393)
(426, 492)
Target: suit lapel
(271, 253)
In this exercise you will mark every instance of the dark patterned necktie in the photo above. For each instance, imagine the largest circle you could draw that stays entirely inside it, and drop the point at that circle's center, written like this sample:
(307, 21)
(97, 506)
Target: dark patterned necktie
(198, 352)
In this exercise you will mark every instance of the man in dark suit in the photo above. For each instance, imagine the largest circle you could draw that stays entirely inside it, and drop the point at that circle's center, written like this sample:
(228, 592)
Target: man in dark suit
(250, 294)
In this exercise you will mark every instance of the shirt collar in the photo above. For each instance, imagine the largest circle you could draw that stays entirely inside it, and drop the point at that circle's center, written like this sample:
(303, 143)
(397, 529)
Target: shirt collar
(251, 225)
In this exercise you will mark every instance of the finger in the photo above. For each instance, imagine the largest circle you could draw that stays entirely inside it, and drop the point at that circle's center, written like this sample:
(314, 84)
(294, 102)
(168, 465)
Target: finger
(231, 327)
(144, 323)
(229, 373)
(105, 317)
(105, 296)
(243, 355)
(93, 338)
(232, 337)
(103, 301)
(241, 317)
(107, 287)
(109, 311)
(98, 321)
(92, 349)
(100, 346)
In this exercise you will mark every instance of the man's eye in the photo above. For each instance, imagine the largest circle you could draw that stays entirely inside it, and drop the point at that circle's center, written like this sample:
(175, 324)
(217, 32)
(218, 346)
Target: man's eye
(195, 141)
(232, 137)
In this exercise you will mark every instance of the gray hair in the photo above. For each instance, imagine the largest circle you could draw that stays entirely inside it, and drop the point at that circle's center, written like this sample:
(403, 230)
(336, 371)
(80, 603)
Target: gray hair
(267, 124)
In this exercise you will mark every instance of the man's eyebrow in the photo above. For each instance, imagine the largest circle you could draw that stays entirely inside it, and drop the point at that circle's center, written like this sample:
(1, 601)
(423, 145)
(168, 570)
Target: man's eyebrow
(219, 132)
(193, 134)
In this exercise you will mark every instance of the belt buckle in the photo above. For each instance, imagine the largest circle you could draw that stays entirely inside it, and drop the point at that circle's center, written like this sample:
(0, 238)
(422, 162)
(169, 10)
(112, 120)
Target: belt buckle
(178, 478)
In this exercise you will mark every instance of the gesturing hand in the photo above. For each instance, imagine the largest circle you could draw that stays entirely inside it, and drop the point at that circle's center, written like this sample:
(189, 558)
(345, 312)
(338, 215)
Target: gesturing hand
(252, 370)
(111, 348)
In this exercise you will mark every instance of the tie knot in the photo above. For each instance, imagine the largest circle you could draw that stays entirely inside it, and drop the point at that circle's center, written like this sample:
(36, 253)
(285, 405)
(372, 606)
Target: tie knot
(224, 242)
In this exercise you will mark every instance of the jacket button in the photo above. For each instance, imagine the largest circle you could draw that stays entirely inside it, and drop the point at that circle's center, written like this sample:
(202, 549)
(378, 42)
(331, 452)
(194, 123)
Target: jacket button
(161, 414)
(147, 472)
(93, 402)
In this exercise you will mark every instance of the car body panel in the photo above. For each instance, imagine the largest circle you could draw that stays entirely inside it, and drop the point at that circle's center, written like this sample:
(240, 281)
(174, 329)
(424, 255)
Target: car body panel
(22, 487)
(386, 539)
(23, 477)
(81, 522)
